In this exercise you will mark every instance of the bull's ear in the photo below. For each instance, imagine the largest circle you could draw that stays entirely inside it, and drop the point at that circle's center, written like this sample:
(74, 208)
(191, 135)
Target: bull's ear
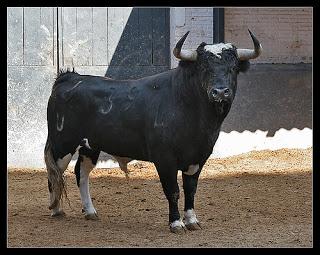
(244, 65)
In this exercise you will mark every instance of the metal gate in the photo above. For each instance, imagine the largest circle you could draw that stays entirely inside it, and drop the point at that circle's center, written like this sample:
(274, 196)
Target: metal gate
(118, 42)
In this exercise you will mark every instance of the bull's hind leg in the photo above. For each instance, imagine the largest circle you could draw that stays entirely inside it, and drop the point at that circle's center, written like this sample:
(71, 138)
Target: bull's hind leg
(55, 169)
(86, 162)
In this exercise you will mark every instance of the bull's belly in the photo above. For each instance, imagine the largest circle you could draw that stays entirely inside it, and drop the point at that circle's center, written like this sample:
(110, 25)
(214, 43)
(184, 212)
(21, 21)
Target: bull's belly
(131, 146)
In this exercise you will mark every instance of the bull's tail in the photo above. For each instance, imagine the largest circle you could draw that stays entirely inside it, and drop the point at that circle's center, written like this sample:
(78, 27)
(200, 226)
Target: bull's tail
(56, 182)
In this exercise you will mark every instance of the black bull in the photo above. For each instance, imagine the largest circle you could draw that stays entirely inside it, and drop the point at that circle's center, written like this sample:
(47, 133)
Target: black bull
(172, 119)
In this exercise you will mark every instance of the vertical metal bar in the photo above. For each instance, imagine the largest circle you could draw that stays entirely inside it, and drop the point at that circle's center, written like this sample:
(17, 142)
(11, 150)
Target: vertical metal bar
(23, 36)
(218, 25)
(53, 42)
(58, 55)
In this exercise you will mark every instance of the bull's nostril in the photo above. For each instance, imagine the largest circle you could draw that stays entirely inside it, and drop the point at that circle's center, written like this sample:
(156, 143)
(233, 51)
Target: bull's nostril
(226, 91)
(214, 92)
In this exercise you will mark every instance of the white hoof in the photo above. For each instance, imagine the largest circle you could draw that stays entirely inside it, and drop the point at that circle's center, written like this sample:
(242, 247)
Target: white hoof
(191, 220)
(177, 227)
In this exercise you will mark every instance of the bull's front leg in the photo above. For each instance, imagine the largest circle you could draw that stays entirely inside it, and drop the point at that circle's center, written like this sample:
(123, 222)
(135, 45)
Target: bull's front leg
(168, 178)
(190, 183)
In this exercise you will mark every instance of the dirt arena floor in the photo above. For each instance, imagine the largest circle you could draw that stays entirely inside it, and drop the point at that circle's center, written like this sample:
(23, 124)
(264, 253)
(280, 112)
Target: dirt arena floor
(257, 199)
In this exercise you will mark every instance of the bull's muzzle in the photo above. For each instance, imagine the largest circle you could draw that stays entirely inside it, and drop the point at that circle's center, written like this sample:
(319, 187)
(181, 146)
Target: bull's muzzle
(220, 94)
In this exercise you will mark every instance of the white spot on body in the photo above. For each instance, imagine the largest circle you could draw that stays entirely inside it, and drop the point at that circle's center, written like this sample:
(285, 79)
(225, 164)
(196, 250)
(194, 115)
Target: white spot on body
(87, 143)
(85, 168)
(64, 162)
(216, 49)
(190, 217)
(177, 223)
(192, 169)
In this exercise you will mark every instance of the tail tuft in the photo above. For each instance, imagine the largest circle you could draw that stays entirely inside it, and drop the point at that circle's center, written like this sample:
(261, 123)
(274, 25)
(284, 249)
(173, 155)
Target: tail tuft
(55, 177)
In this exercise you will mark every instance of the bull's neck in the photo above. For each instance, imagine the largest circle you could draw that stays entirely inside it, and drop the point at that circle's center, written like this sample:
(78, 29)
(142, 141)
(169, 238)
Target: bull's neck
(188, 83)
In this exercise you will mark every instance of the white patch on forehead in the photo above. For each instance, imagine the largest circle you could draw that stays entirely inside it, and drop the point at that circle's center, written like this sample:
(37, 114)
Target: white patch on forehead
(192, 169)
(216, 49)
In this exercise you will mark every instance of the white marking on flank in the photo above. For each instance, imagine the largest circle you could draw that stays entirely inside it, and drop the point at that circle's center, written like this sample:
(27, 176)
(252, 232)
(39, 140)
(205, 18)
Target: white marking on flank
(190, 217)
(76, 85)
(103, 111)
(192, 169)
(216, 49)
(60, 127)
(64, 162)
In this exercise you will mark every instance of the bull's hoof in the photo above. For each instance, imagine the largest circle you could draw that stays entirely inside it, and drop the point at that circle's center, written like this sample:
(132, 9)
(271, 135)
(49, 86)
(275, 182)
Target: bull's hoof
(178, 227)
(59, 213)
(91, 216)
(178, 230)
(193, 226)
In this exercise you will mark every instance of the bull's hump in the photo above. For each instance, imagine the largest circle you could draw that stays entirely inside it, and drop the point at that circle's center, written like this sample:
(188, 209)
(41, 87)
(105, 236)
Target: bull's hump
(216, 49)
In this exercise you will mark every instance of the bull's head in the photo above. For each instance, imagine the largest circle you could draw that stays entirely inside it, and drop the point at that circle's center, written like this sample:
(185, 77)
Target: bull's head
(218, 65)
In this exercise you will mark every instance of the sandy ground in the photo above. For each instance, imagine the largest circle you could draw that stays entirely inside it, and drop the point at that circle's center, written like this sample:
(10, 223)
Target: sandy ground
(257, 199)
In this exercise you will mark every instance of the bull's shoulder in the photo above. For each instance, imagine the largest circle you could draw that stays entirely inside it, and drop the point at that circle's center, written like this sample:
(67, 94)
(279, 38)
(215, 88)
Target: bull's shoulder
(158, 81)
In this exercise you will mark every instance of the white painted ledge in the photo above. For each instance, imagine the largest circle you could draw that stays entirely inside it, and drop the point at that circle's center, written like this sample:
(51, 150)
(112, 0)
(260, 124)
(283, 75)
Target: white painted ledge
(234, 143)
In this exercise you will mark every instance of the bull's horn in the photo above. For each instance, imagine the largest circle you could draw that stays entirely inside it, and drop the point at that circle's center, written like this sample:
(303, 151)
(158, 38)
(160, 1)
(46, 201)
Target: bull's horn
(246, 54)
(190, 55)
